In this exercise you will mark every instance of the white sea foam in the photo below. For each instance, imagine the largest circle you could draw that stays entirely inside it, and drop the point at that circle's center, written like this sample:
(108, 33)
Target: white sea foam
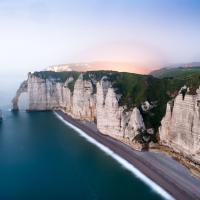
(120, 160)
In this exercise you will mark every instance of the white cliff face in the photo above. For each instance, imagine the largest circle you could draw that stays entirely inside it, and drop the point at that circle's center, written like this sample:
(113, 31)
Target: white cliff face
(84, 103)
(134, 124)
(47, 94)
(84, 100)
(112, 119)
(180, 128)
(108, 112)
(21, 99)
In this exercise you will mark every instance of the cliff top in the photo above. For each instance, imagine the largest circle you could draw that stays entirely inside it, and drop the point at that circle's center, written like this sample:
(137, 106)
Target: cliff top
(58, 76)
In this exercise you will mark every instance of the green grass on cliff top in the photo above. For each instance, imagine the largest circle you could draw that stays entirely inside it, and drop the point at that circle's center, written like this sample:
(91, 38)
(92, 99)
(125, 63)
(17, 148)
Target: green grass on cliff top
(58, 76)
(175, 72)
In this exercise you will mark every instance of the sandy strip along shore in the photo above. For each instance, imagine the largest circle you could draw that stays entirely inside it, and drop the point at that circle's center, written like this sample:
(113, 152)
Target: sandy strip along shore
(161, 169)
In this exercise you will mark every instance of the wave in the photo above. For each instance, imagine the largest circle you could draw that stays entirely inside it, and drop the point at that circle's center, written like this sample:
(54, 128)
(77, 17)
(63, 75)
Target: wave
(120, 160)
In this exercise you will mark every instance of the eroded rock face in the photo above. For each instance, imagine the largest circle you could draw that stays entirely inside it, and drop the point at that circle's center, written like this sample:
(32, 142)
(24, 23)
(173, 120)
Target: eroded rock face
(134, 124)
(84, 100)
(22, 93)
(112, 119)
(180, 128)
(90, 100)
(45, 94)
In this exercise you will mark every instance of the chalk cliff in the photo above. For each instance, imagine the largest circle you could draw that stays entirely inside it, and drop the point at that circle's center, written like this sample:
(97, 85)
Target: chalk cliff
(21, 94)
(83, 100)
(180, 127)
(89, 100)
(112, 119)
(47, 94)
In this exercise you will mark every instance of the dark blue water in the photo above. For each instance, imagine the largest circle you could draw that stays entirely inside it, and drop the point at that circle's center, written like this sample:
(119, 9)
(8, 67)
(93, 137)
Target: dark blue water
(41, 158)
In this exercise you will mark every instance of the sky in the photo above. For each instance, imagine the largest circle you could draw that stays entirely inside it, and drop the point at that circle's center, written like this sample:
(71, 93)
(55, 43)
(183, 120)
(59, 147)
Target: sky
(37, 33)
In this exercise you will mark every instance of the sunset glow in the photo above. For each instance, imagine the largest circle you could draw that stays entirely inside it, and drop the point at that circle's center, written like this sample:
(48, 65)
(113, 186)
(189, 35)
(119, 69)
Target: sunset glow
(146, 34)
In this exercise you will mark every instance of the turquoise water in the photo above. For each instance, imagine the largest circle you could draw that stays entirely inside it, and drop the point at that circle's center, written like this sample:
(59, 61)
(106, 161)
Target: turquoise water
(41, 158)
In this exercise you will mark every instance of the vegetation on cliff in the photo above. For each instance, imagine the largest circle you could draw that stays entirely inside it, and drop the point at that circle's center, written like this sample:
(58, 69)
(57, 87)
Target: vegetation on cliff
(180, 76)
(175, 72)
(58, 76)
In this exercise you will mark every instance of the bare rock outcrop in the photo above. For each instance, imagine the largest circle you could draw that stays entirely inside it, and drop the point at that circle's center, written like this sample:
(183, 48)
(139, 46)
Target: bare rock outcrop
(112, 119)
(47, 94)
(21, 92)
(180, 128)
(89, 100)
(84, 100)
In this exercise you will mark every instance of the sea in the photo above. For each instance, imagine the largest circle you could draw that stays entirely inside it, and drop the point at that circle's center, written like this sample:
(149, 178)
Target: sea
(41, 158)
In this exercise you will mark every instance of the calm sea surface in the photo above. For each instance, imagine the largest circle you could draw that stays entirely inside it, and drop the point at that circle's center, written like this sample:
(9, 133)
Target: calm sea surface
(41, 158)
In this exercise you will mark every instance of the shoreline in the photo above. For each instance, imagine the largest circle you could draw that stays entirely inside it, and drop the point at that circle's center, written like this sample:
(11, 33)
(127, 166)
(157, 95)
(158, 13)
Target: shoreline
(166, 183)
(186, 162)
